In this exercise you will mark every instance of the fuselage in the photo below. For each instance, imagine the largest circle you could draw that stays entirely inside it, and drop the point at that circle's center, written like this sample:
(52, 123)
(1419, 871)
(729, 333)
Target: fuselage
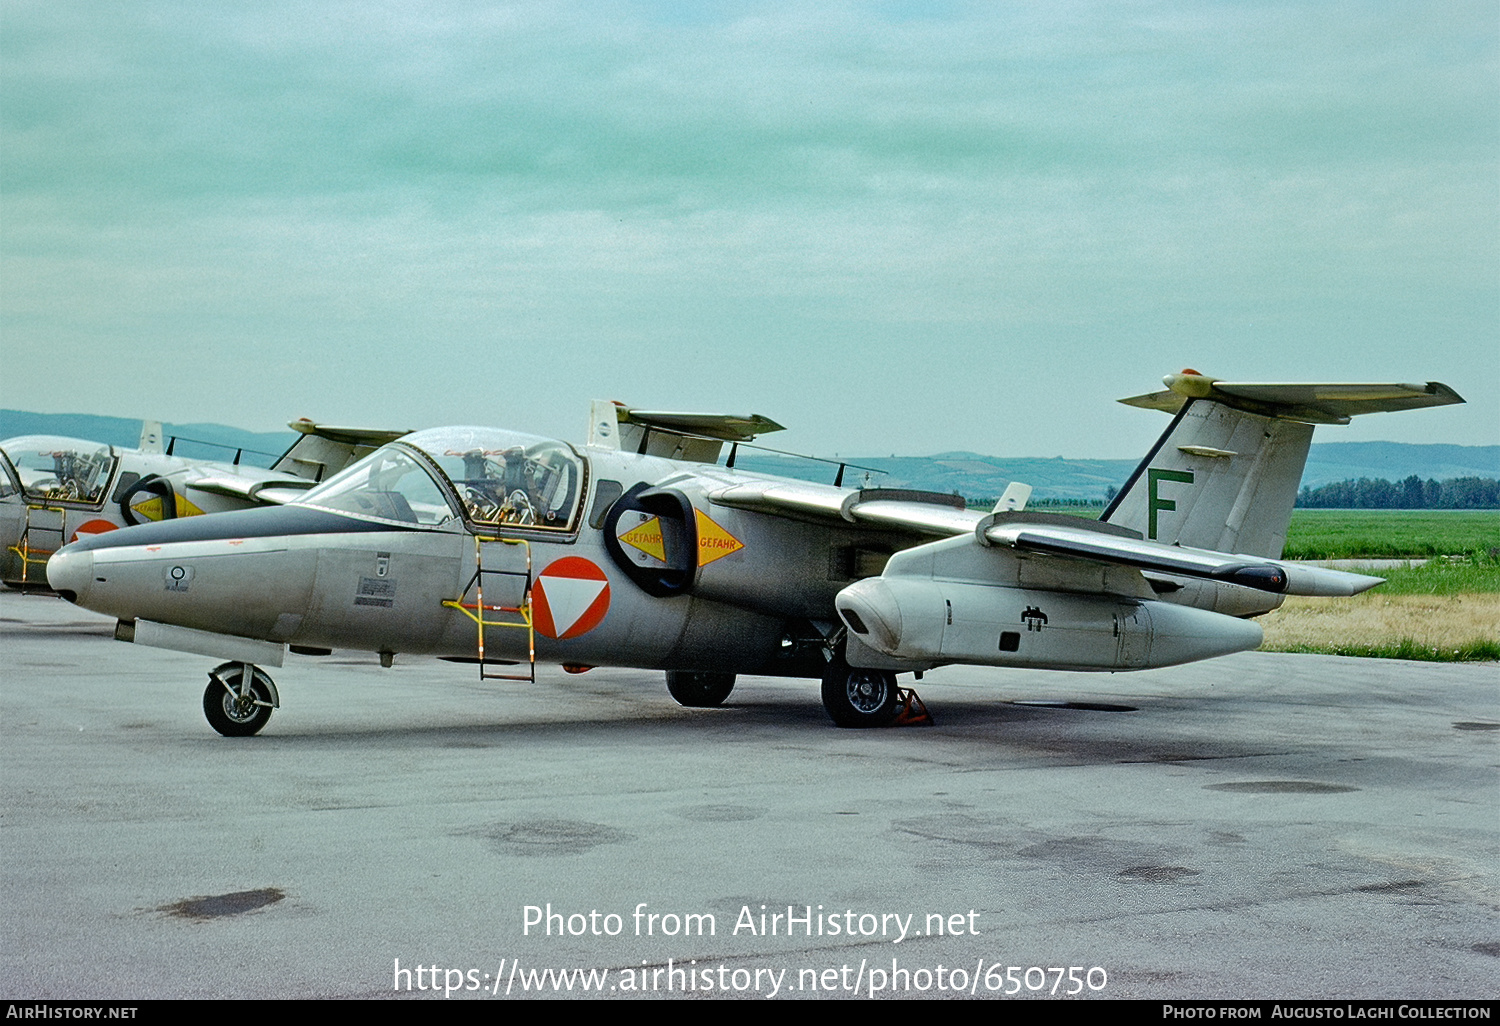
(408, 574)
(472, 543)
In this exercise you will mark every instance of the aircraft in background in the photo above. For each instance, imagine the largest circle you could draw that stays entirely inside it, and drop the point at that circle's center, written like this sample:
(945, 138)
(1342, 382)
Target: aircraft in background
(502, 549)
(54, 490)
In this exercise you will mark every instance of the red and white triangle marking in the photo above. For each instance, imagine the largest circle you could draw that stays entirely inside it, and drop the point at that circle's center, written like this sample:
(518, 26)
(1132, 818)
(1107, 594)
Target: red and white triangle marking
(570, 598)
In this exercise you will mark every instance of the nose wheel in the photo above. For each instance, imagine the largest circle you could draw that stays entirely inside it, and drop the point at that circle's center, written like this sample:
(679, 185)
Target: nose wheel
(238, 705)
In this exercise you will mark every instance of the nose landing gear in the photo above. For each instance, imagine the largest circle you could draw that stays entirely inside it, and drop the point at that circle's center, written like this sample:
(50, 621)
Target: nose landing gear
(239, 699)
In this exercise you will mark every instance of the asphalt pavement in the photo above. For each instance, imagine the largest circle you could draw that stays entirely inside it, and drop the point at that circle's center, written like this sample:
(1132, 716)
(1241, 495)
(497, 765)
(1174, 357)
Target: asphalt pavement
(1258, 826)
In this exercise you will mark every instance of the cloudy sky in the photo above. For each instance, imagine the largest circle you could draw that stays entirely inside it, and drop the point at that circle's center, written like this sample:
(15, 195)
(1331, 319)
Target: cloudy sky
(894, 227)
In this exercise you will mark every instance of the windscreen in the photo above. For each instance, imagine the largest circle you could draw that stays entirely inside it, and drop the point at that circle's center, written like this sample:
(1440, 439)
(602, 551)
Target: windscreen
(389, 484)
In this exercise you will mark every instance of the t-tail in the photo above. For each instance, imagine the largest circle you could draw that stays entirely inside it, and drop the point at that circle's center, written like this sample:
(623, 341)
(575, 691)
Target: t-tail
(1225, 473)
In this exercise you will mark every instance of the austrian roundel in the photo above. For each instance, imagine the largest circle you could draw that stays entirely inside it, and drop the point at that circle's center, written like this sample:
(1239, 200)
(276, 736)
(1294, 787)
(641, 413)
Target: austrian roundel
(89, 527)
(570, 598)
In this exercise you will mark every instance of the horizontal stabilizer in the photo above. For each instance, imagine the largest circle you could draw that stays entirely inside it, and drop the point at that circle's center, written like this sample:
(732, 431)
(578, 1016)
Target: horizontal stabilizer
(324, 450)
(723, 426)
(695, 437)
(372, 437)
(1310, 404)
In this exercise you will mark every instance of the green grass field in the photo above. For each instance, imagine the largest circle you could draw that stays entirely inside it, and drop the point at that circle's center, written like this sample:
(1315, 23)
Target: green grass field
(1477, 575)
(1445, 610)
(1406, 648)
(1391, 534)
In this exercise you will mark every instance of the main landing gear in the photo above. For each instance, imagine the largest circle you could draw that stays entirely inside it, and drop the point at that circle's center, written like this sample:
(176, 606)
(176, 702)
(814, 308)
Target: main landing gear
(857, 698)
(239, 699)
(699, 690)
(853, 697)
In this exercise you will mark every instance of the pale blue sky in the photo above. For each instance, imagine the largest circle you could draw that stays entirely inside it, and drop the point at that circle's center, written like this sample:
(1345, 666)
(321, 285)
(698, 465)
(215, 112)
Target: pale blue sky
(893, 227)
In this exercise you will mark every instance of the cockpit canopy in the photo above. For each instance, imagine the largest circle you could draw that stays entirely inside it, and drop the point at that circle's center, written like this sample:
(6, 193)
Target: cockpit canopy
(504, 477)
(54, 469)
(499, 479)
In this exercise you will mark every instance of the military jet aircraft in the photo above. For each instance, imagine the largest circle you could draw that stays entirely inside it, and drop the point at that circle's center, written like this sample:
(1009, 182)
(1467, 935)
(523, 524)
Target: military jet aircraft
(54, 490)
(640, 550)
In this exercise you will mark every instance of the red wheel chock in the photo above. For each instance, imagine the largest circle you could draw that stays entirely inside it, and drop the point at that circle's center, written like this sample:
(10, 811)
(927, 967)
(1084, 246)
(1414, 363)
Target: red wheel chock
(913, 711)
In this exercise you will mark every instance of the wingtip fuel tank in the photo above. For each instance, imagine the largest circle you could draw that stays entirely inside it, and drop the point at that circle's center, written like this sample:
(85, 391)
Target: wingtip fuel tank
(925, 619)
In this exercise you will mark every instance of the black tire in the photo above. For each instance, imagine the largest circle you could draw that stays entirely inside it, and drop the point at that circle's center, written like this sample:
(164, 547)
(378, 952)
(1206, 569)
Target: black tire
(226, 712)
(860, 698)
(699, 690)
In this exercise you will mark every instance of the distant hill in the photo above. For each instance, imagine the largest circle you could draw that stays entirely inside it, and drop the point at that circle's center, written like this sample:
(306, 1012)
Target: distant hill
(967, 473)
(1395, 461)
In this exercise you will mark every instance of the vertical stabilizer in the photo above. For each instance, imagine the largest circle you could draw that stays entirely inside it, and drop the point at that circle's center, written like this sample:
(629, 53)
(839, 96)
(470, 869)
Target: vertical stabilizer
(1224, 475)
(1014, 499)
(1219, 479)
(604, 425)
(150, 436)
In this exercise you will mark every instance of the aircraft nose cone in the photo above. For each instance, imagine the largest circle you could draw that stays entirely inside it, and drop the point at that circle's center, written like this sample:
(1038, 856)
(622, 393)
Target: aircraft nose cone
(70, 572)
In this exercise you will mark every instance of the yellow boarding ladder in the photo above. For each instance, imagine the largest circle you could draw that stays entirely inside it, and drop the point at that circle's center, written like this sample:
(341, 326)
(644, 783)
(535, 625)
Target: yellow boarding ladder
(477, 609)
(37, 554)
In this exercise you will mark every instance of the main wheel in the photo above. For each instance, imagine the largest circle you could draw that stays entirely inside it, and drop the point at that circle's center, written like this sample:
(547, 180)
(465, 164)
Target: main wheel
(699, 690)
(860, 698)
(228, 712)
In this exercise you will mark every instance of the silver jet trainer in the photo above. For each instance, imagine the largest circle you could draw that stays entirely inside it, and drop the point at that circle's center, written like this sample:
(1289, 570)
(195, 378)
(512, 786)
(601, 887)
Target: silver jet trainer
(503, 549)
(54, 490)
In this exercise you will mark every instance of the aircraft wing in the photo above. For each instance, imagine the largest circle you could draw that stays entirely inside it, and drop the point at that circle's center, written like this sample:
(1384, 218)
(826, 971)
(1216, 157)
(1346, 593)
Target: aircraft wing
(933, 515)
(273, 492)
(1273, 575)
(926, 513)
(694, 437)
(723, 426)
